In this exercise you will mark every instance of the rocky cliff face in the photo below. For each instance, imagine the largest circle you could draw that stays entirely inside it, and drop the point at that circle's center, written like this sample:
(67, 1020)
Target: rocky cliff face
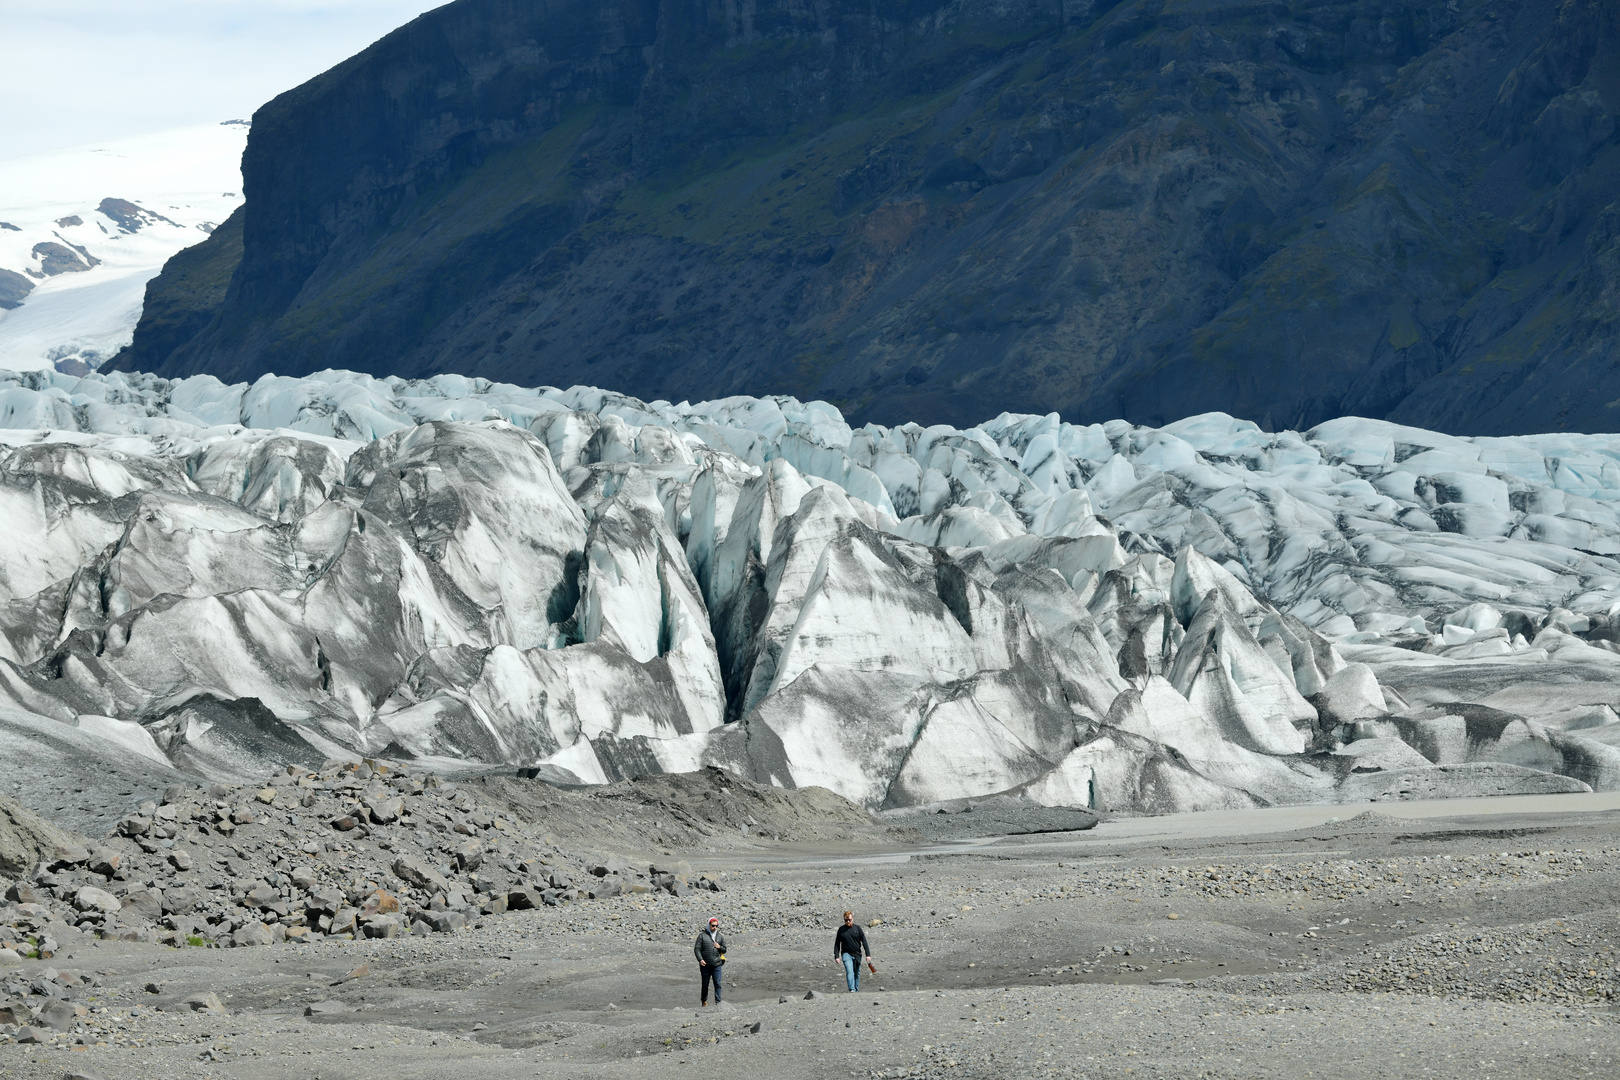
(937, 209)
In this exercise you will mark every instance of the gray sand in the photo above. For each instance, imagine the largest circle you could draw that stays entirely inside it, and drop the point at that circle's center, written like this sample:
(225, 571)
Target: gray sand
(1479, 942)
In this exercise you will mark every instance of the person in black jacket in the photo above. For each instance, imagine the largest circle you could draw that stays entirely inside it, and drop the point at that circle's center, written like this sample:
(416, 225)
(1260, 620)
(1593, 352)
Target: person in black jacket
(710, 950)
(849, 944)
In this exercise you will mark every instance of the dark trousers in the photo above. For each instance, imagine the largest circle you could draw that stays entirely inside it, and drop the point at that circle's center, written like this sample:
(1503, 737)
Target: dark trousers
(711, 972)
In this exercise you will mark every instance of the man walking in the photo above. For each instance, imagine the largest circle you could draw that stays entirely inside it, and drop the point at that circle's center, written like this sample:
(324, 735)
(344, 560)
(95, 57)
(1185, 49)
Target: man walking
(849, 945)
(710, 951)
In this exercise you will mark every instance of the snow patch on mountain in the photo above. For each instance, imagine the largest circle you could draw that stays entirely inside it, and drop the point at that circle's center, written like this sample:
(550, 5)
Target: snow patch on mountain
(82, 230)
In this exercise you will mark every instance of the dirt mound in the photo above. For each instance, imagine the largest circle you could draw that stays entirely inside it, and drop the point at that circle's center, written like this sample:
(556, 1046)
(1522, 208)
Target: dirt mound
(686, 810)
(1372, 819)
(998, 815)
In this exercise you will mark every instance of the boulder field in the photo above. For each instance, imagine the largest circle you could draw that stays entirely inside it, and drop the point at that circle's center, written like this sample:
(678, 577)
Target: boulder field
(352, 850)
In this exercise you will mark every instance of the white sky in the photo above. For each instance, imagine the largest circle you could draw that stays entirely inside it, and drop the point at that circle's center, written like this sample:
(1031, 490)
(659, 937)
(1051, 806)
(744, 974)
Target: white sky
(78, 71)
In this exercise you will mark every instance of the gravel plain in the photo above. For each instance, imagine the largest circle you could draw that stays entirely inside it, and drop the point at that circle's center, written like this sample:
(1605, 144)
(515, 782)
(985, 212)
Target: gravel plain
(1481, 945)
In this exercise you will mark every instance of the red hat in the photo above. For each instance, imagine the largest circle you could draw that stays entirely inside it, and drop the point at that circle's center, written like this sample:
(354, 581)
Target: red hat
(714, 919)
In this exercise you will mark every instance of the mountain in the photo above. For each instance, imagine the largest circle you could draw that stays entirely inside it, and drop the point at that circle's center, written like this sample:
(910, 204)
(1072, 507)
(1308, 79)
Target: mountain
(222, 579)
(939, 209)
(83, 229)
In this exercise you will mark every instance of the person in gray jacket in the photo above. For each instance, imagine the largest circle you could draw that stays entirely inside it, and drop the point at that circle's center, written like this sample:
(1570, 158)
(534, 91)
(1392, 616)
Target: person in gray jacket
(710, 950)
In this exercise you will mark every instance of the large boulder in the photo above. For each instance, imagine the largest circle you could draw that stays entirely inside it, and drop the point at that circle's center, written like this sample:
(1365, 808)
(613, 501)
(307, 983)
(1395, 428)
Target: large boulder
(26, 839)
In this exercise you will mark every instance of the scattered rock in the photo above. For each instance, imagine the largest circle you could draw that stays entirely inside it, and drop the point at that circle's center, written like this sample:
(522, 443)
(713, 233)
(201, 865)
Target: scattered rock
(26, 839)
(523, 899)
(135, 825)
(207, 1002)
(254, 933)
(380, 902)
(469, 855)
(61, 1015)
(358, 973)
(143, 903)
(105, 861)
(447, 922)
(262, 895)
(22, 892)
(91, 898)
(413, 870)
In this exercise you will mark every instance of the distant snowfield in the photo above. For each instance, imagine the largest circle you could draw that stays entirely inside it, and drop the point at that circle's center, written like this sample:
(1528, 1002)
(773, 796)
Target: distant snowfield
(186, 180)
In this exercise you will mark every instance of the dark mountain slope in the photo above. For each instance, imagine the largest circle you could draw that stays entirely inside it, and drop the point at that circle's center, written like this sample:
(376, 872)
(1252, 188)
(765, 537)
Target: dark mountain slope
(181, 303)
(936, 210)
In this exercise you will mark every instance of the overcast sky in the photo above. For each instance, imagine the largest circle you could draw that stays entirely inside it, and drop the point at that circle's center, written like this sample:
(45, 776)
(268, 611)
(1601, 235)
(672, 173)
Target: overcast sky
(76, 71)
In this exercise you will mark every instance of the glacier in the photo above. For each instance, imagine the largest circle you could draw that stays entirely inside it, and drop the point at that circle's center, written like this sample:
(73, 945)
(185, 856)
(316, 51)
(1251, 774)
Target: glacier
(222, 578)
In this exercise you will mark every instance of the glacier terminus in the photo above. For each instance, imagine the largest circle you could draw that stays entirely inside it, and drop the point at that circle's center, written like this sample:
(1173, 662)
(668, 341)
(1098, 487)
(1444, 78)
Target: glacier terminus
(223, 579)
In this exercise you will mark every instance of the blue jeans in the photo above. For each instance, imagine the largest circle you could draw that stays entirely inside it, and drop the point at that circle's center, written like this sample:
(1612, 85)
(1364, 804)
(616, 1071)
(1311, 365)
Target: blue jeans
(852, 972)
(711, 971)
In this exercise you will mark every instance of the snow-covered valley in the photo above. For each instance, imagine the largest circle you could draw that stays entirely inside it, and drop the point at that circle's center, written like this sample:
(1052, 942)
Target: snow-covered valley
(1205, 615)
(82, 230)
